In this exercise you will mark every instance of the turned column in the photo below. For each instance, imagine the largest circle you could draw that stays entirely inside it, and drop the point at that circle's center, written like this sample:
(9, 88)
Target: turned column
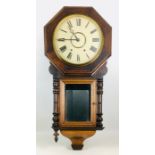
(99, 125)
(55, 124)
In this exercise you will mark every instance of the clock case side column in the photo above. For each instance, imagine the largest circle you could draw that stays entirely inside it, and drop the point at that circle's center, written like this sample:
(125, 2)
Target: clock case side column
(56, 91)
(99, 120)
(99, 76)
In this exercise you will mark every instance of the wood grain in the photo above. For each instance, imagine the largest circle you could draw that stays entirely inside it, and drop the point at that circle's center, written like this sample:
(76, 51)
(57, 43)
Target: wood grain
(65, 68)
(63, 123)
(77, 138)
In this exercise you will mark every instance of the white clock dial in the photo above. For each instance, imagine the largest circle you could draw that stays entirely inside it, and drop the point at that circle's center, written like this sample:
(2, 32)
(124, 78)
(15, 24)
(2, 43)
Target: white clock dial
(78, 39)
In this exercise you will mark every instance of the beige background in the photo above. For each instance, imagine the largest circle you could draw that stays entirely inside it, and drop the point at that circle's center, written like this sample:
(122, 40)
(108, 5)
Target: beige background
(104, 142)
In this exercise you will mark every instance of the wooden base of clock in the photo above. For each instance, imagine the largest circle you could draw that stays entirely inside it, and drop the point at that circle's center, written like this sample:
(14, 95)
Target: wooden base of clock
(77, 137)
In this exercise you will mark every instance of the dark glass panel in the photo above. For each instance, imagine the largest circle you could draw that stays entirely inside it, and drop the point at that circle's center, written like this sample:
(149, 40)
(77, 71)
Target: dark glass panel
(77, 102)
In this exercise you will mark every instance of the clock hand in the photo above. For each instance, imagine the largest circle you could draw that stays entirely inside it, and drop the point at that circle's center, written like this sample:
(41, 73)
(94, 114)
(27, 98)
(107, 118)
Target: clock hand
(77, 39)
(70, 29)
(63, 39)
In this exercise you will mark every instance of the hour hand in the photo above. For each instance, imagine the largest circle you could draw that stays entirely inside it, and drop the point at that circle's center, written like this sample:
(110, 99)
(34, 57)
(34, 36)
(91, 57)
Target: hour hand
(77, 39)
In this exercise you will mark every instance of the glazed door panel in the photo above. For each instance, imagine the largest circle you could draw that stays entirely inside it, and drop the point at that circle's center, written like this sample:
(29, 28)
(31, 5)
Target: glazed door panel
(77, 102)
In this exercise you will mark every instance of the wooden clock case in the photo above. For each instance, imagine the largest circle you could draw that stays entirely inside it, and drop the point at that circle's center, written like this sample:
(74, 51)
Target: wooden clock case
(64, 73)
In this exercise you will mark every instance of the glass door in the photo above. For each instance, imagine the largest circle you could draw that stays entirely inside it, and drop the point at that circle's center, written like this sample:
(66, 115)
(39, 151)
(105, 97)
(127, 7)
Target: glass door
(77, 102)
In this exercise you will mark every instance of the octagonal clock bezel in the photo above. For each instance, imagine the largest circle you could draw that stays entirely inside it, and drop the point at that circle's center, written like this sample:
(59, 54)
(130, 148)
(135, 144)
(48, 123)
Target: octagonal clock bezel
(73, 69)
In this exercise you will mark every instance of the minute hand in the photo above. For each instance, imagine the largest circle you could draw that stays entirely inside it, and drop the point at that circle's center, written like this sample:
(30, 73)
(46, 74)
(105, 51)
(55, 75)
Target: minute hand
(63, 39)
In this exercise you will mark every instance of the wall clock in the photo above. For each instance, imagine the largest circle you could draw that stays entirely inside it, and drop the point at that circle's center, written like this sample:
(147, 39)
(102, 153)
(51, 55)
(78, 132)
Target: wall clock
(77, 43)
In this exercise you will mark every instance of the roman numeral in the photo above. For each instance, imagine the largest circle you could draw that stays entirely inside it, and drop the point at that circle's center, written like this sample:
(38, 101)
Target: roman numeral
(93, 31)
(69, 24)
(95, 40)
(78, 58)
(87, 56)
(69, 56)
(87, 25)
(93, 49)
(78, 22)
(61, 39)
(63, 30)
(63, 48)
